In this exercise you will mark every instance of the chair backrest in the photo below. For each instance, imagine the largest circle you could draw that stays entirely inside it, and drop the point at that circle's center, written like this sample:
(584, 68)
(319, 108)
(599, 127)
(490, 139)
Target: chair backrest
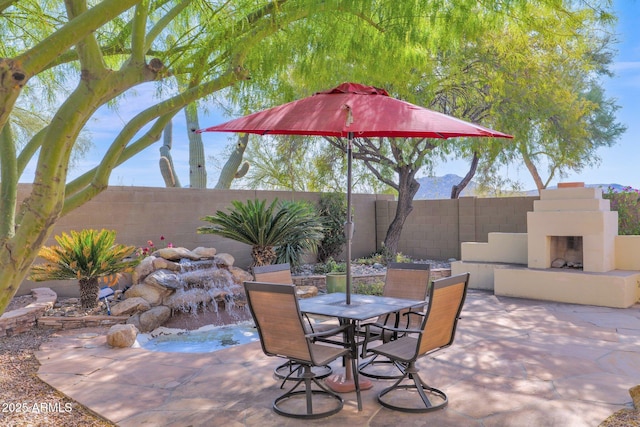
(445, 304)
(406, 280)
(276, 313)
(274, 273)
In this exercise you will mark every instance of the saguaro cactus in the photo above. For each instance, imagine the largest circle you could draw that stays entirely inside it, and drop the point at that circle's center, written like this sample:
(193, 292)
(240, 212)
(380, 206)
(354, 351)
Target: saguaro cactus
(197, 169)
(166, 162)
(233, 169)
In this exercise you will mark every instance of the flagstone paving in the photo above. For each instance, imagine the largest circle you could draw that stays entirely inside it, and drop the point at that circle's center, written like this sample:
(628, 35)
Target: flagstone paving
(515, 362)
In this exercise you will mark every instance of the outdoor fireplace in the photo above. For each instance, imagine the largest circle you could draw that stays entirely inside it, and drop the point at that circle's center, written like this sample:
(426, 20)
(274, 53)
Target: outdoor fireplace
(574, 224)
(566, 252)
(571, 253)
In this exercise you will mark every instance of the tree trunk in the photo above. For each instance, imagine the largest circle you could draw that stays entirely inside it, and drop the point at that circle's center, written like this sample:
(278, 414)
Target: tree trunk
(407, 189)
(457, 189)
(533, 170)
(263, 255)
(89, 291)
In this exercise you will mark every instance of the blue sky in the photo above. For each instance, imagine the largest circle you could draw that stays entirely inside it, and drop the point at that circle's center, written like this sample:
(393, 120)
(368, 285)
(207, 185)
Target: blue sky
(619, 163)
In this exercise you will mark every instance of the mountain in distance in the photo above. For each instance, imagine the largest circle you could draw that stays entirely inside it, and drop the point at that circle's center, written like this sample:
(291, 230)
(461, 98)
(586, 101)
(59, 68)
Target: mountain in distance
(605, 188)
(439, 187)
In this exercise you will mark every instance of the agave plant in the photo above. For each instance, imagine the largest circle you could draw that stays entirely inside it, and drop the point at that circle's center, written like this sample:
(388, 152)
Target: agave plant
(289, 225)
(86, 255)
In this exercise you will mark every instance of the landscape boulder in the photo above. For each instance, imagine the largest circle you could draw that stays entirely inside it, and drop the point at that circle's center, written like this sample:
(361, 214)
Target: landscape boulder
(122, 336)
(130, 306)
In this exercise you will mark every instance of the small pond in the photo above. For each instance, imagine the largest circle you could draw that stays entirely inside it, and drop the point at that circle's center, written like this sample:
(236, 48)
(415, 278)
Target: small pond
(204, 340)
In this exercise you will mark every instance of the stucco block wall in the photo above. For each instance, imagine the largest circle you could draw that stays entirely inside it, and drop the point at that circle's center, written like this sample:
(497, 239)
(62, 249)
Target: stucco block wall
(434, 230)
(139, 214)
(501, 247)
(627, 252)
(437, 228)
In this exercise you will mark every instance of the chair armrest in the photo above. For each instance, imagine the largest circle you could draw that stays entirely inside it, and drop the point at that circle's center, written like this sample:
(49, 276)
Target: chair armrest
(335, 331)
(397, 332)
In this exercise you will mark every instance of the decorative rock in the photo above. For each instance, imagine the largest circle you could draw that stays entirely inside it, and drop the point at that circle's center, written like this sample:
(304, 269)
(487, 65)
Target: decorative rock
(224, 259)
(187, 300)
(635, 396)
(161, 263)
(122, 335)
(306, 291)
(165, 279)
(558, 263)
(143, 269)
(130, 306)
(204, 252)
(175, 254)
(150, 320)
(211, 278)
(239, 275)
(134, 320)
(151, 293)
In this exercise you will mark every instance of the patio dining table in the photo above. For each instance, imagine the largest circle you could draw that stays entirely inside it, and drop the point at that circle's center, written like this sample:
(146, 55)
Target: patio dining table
(362, 307)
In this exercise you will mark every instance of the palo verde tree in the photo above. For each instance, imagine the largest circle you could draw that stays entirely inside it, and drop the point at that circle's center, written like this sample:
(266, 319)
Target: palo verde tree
(100, 52)
(549, 94)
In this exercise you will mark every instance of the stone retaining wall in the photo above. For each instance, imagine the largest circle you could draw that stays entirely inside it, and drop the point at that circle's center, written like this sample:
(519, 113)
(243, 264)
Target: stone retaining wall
(25, 318)
(58, 323)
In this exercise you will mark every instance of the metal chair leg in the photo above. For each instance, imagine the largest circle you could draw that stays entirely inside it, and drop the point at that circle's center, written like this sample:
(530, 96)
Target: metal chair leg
(308, 379)
(431, 398)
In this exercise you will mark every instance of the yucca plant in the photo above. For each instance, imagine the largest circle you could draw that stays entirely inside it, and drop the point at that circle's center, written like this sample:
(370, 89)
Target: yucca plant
(266, 227)
(86, 255)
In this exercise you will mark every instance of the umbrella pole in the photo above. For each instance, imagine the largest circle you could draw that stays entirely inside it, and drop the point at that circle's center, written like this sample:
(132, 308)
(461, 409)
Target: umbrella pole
(348, 227)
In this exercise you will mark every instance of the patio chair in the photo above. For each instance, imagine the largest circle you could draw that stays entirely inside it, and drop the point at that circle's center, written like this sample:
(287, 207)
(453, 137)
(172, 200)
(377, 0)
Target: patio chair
(281, 273)
(280, 325)
(403, 280)
(437, 331)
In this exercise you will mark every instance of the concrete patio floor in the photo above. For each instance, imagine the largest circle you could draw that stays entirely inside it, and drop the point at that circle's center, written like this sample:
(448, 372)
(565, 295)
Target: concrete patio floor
(515, 362)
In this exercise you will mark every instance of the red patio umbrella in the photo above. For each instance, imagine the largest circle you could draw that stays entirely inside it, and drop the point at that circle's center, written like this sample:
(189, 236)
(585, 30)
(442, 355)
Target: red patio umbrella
(354, 110)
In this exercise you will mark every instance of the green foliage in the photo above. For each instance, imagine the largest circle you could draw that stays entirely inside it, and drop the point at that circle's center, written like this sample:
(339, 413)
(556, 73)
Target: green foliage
(303, 238)
(332, 209)
(375, 288)
(383, 257)
(330, 266)
(267, 227)
(85, 256)
(627, 203)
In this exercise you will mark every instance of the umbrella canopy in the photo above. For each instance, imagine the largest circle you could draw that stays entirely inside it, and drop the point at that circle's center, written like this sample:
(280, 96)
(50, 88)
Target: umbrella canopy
(366, 111)
(353, 110)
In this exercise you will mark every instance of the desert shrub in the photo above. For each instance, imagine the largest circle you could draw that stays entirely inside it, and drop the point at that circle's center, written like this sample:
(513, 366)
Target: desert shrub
(627, 203)
(332, 209)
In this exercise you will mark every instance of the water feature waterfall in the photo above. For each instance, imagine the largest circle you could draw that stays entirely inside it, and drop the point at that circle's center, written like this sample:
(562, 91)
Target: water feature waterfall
(179, 288)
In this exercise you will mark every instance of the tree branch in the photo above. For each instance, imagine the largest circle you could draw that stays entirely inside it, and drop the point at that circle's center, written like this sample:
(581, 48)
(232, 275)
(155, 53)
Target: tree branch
(138, 43)
(8, 183)
(87, 48)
